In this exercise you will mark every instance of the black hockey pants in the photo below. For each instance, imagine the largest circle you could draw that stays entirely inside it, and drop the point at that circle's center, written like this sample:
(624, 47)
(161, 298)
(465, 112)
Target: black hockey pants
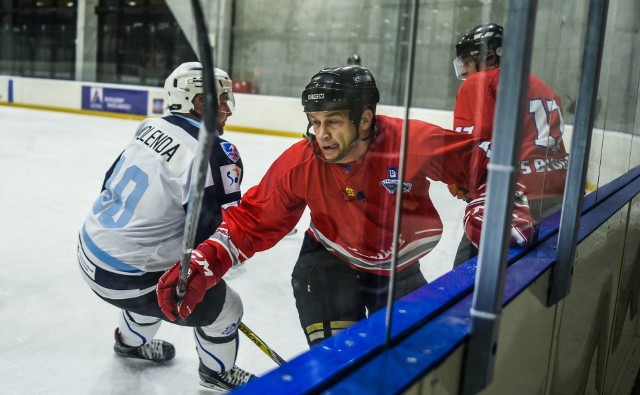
(331, 295)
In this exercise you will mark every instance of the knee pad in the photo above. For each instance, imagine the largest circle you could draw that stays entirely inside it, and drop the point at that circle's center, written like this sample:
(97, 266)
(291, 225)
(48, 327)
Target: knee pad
(217, 343)
(229, 318)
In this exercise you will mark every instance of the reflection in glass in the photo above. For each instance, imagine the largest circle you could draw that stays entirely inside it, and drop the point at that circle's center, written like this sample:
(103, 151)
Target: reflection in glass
(543, 157)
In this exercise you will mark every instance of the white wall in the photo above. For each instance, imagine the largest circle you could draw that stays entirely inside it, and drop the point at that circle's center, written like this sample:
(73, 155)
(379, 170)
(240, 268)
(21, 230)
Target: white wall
(612, 153)
(269, 113)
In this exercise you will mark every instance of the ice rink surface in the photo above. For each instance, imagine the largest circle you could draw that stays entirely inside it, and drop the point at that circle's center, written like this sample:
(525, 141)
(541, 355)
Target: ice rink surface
(56, 336)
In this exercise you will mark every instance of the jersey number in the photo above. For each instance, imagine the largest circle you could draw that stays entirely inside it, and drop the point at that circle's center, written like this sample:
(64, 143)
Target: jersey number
(117, 203)
(549, 122)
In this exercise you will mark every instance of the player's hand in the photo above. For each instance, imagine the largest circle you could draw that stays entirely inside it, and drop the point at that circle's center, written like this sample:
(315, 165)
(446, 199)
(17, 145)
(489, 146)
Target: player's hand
(205, 271)
(459, 192)
(524, 228)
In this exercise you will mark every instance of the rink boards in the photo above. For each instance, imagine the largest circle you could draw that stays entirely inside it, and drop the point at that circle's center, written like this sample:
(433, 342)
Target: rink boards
(586, 343)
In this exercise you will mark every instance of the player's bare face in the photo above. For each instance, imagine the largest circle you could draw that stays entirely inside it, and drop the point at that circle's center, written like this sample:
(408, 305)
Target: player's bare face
(224, 111)
(468, 67)
(334, 134)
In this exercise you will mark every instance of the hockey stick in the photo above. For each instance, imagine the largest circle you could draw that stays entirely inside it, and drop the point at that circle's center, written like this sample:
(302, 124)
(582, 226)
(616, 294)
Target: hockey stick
(261, 344)
(205, 143)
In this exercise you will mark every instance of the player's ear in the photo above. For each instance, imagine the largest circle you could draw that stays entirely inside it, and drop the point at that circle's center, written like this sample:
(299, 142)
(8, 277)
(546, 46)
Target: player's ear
(365, 121)
(198, 104)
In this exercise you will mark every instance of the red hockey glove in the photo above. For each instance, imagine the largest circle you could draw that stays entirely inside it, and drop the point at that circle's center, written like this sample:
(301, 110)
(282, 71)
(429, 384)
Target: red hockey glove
(459, 192)
(205, 271)
(523, 226)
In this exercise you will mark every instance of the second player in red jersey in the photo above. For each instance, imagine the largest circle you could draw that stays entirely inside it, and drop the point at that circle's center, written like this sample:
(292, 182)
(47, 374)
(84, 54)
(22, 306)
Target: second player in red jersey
(543, 158)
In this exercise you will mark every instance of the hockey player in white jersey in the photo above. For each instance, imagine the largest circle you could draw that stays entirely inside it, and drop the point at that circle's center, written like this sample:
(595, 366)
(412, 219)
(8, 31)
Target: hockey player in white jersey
(134, 231)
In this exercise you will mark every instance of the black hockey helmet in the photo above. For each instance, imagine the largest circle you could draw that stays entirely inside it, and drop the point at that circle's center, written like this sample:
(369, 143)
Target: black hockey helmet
(350, 88)
(341, 88)
(477, 41)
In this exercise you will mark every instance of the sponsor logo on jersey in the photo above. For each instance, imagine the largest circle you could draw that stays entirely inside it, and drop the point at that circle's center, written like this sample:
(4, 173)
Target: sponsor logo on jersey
(350, 195)
(231, 151)
(391, 183)
(392, 172)
(231, 176)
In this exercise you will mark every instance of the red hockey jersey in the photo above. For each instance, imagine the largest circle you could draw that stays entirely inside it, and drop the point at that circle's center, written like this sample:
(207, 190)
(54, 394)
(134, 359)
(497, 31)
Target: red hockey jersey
(352, 206)
(543, 159)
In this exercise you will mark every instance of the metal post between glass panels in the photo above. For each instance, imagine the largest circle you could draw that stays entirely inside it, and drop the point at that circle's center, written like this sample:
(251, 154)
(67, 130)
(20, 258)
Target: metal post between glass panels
(494, 244)
(579, 152)
(401, 170)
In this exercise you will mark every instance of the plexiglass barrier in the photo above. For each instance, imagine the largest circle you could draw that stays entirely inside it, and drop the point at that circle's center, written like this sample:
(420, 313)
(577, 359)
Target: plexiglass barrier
(275, 48)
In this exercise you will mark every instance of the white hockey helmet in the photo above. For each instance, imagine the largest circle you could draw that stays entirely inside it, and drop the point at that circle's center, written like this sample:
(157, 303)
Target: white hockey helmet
(186, 81)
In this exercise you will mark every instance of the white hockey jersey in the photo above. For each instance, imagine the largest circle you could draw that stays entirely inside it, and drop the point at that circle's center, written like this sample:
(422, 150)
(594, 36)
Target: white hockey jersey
(136, 225)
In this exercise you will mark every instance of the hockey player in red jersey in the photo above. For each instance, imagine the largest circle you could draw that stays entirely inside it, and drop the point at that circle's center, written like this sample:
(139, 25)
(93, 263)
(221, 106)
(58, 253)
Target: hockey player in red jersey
(346, 172)
(543, 158)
